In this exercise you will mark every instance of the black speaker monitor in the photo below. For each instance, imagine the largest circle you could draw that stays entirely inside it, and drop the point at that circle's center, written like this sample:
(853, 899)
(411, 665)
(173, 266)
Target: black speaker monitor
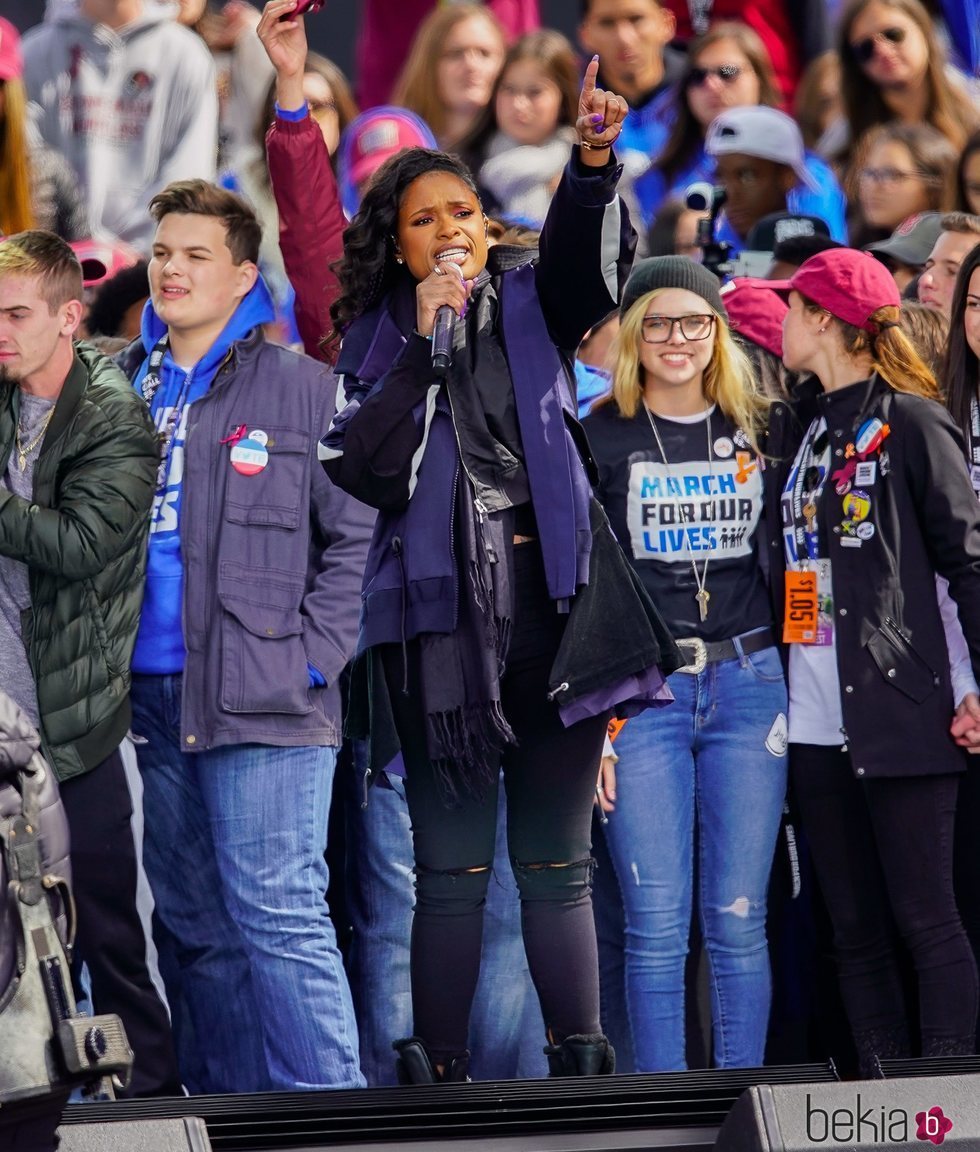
(860, 1116)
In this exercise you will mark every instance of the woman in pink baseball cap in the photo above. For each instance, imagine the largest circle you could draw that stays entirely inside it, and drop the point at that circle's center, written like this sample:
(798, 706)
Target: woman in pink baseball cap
(874, 502)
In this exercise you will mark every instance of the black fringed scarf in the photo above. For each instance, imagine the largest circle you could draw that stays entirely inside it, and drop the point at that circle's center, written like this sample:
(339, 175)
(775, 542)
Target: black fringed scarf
(465, 724)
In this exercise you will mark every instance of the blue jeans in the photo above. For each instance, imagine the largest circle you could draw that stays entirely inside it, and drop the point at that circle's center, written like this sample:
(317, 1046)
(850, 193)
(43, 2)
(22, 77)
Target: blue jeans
(703, 758)
(234, 853)
(506, 1044)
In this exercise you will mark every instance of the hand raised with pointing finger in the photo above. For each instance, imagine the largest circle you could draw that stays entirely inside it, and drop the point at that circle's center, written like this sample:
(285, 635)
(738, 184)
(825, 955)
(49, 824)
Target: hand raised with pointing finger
(600, 113)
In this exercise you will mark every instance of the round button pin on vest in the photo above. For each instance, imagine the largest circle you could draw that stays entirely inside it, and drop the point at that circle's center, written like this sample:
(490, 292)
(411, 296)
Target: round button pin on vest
(250, 455)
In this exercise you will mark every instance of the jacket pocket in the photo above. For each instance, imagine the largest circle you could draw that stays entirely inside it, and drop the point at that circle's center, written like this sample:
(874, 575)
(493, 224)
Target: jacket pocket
(97, 618)
(273, 497)
(263, 659)
(899, 663)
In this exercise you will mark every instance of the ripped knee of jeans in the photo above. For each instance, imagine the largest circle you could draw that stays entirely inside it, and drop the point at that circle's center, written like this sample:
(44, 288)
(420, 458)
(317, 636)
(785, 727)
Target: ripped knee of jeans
(569, 880)
(451, 891)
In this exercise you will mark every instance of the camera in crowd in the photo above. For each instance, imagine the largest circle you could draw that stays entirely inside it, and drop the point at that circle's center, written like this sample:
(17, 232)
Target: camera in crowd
(754, 259)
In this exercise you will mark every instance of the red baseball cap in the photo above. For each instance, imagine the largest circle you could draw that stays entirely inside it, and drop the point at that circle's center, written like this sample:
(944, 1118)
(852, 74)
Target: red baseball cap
(756, 312)
(850, 284)
(11, 61)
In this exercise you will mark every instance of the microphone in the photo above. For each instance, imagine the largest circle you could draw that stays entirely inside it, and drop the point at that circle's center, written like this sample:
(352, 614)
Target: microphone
(442, 339)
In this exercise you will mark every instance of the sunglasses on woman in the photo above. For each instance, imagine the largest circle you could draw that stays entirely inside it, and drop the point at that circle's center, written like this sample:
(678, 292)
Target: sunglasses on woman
(726, 73)
(863, 50)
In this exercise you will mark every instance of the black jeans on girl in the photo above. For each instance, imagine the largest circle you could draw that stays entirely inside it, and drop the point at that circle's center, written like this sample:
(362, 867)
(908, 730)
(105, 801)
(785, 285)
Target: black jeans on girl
(883, 854)
(550, 780)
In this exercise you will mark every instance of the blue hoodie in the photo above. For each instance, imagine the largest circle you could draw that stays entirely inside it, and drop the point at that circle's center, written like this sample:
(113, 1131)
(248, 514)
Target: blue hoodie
(160, 640)
(826, 200)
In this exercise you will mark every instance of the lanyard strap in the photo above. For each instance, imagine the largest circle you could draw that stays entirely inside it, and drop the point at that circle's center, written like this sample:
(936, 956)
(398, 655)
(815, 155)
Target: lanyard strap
(806, 549)
(150, 386)
(151, 381)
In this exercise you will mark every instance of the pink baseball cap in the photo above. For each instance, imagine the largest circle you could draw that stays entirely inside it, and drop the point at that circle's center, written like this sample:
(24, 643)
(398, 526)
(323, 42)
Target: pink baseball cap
(756, 312)
(850, 284)
(11, 61)
(379, 137)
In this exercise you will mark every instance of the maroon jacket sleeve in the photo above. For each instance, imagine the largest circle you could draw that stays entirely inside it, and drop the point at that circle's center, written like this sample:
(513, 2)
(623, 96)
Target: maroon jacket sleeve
(311, 225)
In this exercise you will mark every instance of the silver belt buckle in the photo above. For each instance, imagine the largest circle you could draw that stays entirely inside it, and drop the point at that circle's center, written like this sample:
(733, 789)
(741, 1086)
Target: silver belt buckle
(699, 655)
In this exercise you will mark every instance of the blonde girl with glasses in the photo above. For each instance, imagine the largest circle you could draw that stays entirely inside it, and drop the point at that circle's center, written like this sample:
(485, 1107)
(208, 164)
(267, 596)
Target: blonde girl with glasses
(681, 478)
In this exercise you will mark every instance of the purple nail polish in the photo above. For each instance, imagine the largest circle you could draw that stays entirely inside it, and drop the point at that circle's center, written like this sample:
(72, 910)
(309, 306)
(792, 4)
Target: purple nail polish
(597, 119)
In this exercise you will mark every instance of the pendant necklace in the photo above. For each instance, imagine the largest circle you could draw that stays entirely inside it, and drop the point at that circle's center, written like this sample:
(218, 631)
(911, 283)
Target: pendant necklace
(700, 578)
(24, 450)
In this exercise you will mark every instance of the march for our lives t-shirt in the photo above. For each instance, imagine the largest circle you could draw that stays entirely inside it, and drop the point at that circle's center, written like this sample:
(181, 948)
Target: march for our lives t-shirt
(693, 507)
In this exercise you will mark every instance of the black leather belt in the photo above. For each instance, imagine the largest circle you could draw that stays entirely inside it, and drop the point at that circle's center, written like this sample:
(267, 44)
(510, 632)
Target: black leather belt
(702, 653)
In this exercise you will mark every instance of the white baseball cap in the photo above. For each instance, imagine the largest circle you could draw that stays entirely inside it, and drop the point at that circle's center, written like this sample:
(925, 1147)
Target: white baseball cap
(757, 130)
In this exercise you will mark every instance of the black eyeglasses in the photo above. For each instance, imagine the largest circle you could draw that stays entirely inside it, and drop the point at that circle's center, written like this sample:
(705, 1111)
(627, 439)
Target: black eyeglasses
(659, 329)
(863, 50)
(726, 73)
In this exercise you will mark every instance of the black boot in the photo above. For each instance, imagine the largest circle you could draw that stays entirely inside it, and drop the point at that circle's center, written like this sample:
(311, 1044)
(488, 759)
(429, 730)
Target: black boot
(948, 1046)
(590, 1055)
(414, 1065)
(876, 1044)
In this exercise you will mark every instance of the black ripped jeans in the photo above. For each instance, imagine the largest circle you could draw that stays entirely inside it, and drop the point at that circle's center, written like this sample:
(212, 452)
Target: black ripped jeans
(550, 780)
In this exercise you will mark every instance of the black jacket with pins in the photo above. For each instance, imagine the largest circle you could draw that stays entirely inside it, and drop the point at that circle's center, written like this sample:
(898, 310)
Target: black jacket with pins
(892, 659)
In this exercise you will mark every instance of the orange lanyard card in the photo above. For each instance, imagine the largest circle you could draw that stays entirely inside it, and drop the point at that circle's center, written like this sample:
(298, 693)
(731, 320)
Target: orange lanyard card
(802, 607)
(808, 618)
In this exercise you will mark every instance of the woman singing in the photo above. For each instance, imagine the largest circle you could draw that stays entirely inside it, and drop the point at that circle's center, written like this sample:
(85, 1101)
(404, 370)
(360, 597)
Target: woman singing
(501, 623)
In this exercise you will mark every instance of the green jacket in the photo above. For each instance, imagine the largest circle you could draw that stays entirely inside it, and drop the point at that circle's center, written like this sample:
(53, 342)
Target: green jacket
(84, 541)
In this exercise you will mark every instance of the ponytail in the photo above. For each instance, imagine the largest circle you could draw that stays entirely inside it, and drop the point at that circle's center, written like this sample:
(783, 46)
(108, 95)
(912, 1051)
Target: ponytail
(893, 355)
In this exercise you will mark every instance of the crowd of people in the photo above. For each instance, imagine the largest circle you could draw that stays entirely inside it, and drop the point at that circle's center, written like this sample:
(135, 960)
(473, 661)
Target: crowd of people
(492, 550)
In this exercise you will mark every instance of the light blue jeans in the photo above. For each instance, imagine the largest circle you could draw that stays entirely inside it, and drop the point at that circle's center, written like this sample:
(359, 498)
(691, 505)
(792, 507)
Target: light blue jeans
(234, 849)
(702, 759)
(506, 1031)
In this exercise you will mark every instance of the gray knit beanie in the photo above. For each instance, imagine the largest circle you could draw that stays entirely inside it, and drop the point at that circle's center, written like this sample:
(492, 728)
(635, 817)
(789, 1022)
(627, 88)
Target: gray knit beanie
(672, 272)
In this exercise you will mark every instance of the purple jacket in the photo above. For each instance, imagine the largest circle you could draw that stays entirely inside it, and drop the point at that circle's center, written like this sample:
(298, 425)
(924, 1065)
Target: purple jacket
(393, 444)
(272, 561)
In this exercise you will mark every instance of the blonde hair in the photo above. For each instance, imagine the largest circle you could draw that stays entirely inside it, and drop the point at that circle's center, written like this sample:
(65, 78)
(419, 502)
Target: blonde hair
(417, 88)
(50, 259)
(16, 211)
(729, 380)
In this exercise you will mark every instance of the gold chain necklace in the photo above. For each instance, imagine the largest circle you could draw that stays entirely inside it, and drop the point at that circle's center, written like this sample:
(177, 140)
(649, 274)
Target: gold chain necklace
(700, 578)
(24, 450)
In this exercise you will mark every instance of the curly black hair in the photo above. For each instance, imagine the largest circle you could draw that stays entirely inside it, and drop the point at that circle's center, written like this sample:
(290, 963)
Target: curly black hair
(368, 269)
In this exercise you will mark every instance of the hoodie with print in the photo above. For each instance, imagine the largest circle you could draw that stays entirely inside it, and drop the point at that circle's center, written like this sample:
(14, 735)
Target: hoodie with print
(160, 640)
(131, 109)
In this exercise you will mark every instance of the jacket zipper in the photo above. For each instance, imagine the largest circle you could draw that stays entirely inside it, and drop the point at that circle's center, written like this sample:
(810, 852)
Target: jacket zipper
(221, 369)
